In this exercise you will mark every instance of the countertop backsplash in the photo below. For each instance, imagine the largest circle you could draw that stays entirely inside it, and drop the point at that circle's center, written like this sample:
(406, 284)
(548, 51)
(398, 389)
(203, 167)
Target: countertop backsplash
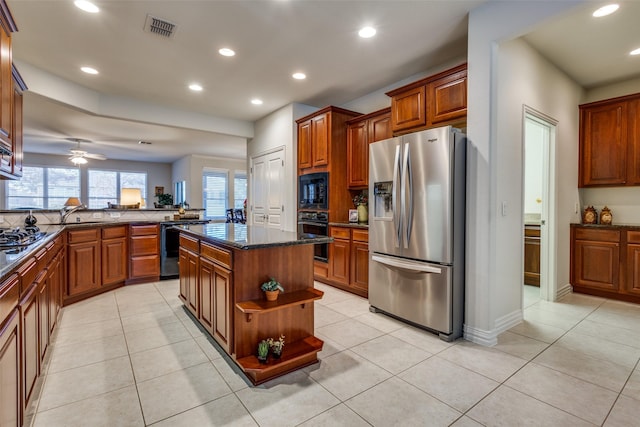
(15, 218)
(624, 202)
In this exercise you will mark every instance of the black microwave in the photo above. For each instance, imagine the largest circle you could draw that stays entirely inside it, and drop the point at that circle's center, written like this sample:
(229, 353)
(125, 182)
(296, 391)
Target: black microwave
(313, 191)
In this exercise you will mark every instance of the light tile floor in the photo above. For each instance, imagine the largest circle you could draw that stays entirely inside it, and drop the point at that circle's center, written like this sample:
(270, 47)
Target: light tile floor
(133, 357)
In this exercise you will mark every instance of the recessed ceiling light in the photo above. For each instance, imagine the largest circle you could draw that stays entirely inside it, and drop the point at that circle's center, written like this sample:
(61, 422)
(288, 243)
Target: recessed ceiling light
(87, 6)
(367, 32)
(225, 51)
(195, 87)
(635, 52)
(299, 76)
(89, 70)
(605, 10)
(144, 142)
(256, 101)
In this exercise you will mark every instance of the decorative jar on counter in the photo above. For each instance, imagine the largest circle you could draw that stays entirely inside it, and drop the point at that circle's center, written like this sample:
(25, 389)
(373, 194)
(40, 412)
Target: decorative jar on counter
(606, 217)
(590, 215)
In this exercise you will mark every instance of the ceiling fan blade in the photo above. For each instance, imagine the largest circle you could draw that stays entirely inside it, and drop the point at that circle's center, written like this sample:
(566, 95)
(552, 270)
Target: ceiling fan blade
(78, 152)
(95, 156)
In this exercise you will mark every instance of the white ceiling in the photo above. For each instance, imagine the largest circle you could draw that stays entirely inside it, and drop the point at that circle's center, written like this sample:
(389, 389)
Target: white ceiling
(273, 39)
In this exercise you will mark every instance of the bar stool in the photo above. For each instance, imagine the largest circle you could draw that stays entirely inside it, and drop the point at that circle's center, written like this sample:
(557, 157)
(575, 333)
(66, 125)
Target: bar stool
(230, 217)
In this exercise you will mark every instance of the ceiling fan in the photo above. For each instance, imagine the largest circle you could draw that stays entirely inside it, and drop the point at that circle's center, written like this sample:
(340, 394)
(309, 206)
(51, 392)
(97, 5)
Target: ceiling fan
(78, 156)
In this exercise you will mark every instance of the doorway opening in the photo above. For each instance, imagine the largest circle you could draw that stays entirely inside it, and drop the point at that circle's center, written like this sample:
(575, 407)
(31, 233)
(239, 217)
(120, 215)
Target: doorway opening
(539, 276)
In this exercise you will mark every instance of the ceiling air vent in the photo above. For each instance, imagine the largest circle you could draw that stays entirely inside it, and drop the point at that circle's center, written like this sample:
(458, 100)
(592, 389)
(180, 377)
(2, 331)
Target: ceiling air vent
(159, 26)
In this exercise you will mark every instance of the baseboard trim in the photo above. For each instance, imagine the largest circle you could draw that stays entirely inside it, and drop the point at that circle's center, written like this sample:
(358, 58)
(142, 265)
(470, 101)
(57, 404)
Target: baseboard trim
(565, 290)
(490, 338)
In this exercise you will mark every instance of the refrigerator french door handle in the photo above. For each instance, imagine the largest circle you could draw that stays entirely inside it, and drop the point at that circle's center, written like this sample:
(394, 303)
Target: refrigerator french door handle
(397, 207)
(403, 192)
(408, 207)
(407, 265)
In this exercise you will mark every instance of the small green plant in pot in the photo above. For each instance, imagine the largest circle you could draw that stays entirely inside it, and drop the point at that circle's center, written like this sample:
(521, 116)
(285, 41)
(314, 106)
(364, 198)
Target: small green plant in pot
(263, 351)
(276, 346)
(271, 289)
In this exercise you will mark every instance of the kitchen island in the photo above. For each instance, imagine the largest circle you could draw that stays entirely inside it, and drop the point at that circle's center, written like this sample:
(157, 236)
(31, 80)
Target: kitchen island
(221, 269)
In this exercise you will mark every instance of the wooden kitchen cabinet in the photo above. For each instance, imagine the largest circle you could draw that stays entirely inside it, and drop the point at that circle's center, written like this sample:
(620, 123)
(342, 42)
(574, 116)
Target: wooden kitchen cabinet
(114, 255)
(349, 259)
(322, 139)
(609, 149)
(216, 284)
(532, 255)
(84, 264)
(189, 271)
(10, 406)
(7, 26)
(10, 386)
(633, 263)
(605, 261)
(596, 258)
(447, 97)
(29, 346)
(340, 255)
(360, 260)
(361, 132)
(437, 100)
(144, 248)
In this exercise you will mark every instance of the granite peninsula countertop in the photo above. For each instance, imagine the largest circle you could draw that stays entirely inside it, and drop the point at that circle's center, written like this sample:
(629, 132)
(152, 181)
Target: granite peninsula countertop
(243, 236)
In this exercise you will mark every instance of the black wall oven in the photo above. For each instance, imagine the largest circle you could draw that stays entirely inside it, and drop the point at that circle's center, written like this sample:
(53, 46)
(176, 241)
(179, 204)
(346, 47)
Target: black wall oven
(315, 223)
(313, 191)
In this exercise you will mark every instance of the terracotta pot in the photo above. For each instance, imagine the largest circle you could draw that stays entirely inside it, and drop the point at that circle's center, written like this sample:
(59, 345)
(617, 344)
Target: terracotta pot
(272, 295)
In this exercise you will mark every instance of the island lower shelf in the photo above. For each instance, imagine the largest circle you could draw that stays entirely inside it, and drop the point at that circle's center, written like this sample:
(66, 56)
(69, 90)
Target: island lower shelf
(295, 356)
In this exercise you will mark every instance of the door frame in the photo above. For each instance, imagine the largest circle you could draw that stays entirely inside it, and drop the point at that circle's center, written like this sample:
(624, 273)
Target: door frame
(548, 227)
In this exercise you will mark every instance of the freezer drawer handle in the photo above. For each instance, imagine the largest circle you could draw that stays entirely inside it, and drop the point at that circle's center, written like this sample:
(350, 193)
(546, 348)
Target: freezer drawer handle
(406, 265)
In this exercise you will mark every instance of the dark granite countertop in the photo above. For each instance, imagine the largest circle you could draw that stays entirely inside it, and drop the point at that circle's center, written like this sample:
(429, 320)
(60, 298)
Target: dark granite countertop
(10, 259)
(363, 225)
(610, 226)
(243, 236)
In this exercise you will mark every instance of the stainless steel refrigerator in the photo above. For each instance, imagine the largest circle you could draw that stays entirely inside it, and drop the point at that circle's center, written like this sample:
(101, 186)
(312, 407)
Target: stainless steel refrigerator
(416, 228)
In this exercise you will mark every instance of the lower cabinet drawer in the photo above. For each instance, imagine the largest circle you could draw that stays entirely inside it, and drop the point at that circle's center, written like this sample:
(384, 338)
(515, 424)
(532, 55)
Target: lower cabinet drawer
(143, 266)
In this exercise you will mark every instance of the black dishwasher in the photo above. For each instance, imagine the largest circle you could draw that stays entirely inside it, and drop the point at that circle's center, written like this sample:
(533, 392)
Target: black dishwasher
(170, 245)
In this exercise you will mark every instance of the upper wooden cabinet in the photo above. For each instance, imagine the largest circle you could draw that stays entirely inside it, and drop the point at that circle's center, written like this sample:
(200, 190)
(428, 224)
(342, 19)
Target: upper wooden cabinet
(610, 142)
(322, 147)
(437, 100)
(361, 132)
(11, 88)
(321, 137)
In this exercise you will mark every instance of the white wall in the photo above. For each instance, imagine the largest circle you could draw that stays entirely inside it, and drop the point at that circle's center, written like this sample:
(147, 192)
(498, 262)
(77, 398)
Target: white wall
(190, 168)
(158, 174)
(275, 131)
(526, 78)
(494, 120)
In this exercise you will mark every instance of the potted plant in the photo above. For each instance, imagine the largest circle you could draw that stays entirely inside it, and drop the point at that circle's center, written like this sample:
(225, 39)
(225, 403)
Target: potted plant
(164, 200)
(276, 346)
(263, 351)
(271, 289)
(360, 201)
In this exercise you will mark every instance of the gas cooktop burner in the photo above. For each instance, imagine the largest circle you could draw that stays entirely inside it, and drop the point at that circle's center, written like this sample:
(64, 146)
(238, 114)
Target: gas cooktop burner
(16, 237)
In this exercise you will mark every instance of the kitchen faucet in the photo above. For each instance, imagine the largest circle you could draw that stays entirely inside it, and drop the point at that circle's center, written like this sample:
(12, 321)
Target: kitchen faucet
(64, 213)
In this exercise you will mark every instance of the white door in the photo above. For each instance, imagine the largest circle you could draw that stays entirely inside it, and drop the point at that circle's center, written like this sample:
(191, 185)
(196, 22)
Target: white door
(267, 183)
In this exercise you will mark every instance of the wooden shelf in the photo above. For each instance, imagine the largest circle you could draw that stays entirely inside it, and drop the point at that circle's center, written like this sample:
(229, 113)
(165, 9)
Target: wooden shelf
(285, 299)
(295, 356)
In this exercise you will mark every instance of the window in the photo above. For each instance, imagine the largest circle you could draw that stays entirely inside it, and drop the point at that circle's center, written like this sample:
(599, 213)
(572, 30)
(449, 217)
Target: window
(214, 194)
(105, 186)
(239, 189)
(43, 188)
